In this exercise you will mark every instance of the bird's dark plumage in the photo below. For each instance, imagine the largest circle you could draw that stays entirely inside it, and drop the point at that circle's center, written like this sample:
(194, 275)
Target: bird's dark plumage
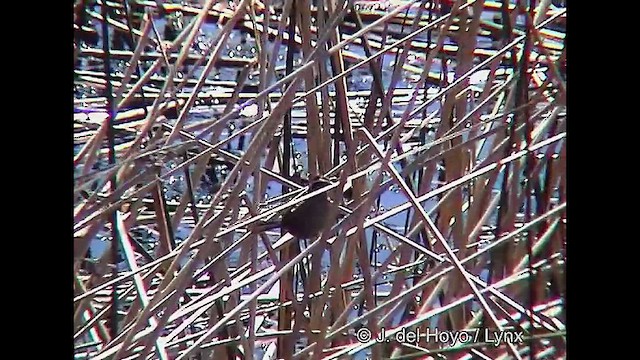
(309, 218)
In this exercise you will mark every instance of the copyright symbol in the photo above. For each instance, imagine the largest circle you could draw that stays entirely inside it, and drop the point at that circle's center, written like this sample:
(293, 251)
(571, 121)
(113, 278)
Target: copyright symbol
(363, 335)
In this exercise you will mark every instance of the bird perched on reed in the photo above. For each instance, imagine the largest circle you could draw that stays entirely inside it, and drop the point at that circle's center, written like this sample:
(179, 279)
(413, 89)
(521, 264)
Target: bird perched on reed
(307, 219)
(310, 217)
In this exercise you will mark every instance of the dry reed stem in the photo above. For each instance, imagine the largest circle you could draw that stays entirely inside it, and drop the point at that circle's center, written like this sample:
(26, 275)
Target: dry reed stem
(441, 239)
(318, 163)
(133, 64)
(202, 163)
(219, 42)
(156, 65)
(140, 288)
(117, 24)
(79, 313)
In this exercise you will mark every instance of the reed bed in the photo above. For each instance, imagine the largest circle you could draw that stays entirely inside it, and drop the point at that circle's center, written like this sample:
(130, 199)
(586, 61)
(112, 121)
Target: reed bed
(441, 125)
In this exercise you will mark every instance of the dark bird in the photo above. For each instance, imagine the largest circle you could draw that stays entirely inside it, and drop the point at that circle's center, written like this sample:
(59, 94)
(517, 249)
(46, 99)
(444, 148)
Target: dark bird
(310, 217)
(307, 219)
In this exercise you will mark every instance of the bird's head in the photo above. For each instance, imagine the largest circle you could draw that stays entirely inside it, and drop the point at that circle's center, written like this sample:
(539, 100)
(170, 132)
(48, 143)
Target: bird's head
(319, 184)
